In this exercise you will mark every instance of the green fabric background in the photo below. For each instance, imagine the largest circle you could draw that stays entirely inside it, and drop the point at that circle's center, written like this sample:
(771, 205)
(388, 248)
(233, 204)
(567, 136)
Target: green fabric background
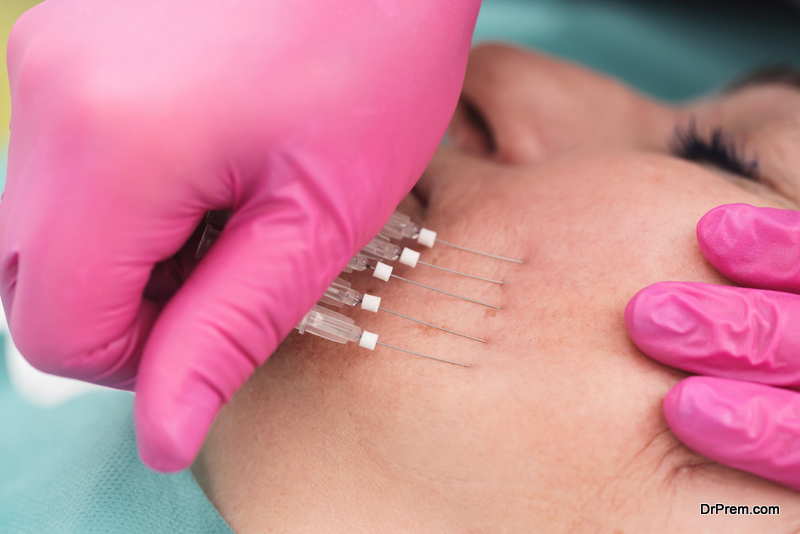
(672, 50)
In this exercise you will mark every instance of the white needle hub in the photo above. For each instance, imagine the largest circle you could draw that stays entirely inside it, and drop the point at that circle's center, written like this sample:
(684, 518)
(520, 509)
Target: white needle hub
(368, 340)
(370, 303)
(426, 237)
(382, 271)
(409, 257)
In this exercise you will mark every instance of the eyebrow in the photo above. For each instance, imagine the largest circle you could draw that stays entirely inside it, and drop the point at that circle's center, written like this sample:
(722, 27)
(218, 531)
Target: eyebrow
(787, 75)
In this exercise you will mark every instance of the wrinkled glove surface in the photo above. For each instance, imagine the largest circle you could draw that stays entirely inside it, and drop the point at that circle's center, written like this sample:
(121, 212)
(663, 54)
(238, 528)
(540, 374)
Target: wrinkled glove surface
(744, 342)
(309, 119)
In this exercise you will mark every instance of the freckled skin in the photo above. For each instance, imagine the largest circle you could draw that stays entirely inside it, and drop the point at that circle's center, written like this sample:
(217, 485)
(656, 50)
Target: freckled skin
(557, 426)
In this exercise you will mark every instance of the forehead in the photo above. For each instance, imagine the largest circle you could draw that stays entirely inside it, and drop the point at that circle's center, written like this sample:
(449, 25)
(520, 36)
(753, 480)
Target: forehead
(783, 75)
(751, 105)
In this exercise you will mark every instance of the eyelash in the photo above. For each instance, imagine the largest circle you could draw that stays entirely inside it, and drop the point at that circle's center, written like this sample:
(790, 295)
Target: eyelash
(716, 148)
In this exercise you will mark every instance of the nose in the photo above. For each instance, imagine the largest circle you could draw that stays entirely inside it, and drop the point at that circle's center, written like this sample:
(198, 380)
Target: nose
(523, 107)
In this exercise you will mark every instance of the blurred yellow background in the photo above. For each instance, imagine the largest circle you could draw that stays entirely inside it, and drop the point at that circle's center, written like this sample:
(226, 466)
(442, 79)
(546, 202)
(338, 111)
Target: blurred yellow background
(10, 10)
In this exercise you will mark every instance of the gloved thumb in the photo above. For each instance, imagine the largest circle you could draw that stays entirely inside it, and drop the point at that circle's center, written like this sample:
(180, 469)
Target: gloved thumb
(264, 272)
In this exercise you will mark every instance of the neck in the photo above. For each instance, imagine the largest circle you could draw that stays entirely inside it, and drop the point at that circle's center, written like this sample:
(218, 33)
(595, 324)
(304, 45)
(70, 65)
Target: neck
(308, 446)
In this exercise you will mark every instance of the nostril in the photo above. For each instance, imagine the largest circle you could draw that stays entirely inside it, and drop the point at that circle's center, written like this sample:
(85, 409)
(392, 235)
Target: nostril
(470, 129)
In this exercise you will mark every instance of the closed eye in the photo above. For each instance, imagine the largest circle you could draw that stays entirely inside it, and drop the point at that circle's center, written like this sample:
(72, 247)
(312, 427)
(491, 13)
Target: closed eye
(714, 147)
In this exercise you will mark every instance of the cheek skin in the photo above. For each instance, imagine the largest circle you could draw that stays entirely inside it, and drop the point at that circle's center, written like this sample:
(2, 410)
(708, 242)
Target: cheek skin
(558, 408)
(563, 372)
(594, 248)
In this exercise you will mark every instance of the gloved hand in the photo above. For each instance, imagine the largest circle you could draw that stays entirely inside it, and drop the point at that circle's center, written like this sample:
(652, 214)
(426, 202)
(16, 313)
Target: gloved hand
(746, 412)
(309, 119)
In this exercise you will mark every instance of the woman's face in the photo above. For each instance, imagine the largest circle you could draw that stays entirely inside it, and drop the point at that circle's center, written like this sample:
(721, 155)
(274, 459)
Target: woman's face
(557, 424)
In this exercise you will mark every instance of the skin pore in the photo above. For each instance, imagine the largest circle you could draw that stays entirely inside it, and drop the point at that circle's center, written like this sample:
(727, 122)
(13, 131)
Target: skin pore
(557, 425)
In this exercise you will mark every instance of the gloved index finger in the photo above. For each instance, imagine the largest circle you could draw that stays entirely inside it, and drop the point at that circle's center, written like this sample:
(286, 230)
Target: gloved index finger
(754, 247)
(730, 332)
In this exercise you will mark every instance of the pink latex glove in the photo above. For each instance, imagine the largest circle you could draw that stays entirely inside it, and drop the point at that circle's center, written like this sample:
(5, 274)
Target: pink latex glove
(310, 119)
(750, 338)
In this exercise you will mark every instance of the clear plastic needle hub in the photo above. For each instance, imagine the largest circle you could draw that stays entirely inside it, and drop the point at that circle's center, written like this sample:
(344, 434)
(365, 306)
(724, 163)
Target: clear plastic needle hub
(359, 262)
(339, 293)
(380, 248)
(398, 222)
(411, 258)
(330, 325)
(336, 327)
(400, 226)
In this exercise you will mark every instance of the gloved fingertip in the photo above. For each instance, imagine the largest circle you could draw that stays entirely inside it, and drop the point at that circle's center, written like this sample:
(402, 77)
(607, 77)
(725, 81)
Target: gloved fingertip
(169, 441)
(685, 408)
(756, 247)
(725, 215)
(714, 410)
(659, 318)
(701, 413)
(638, 312)
(721, 237)
(747, 426)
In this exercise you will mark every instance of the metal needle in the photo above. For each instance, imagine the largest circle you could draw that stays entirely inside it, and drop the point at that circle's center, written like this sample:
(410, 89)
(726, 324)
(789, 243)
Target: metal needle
(423, 355)
(432, 325)
(495, 256)
(445, 292)
(462, 274)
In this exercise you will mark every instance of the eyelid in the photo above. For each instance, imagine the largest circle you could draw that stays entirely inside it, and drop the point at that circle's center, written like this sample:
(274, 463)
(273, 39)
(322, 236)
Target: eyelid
(714, 146)
(786, 75)
(761, 184)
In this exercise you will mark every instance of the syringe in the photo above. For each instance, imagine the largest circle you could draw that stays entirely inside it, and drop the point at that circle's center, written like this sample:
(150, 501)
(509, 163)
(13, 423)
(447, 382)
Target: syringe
(381, 249)
(383, 272)
(339, 328)
(340, 293)
(400, 226)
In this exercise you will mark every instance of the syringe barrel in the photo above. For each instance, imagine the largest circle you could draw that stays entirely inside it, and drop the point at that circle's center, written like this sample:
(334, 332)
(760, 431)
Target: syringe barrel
(400, 226)
(218, 218)
(215, 222)
(330, 325)
(339, 293)
(380, 248)
(210, 234)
